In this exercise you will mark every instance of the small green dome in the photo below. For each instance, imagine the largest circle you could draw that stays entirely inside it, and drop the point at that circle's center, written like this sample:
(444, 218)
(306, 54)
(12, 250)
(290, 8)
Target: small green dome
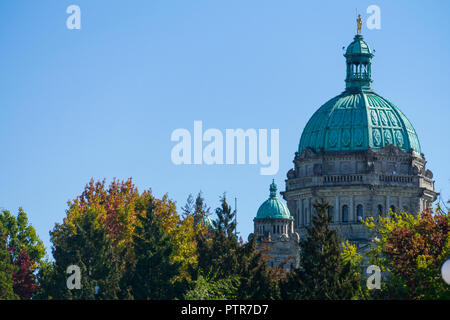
(273, 207)
(358, 118)
(358, 46)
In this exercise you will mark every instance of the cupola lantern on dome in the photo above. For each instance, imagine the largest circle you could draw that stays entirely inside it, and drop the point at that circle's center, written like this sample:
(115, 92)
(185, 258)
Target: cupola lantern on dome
(359, 62)
(359, 65)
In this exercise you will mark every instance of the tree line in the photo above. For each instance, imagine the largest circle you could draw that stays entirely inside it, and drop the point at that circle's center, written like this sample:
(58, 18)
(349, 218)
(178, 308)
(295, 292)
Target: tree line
(131, 245)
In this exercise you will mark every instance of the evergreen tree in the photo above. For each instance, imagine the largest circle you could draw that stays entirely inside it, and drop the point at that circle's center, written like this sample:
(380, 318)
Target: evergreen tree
(198, 208)
(154, 272)
(258, 280)
(323, 274)
(218, 251)
(226, 221)
(188, 209)
(221, 254)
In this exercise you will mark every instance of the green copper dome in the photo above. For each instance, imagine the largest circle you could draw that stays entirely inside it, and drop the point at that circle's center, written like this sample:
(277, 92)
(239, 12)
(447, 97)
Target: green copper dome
(273, 207)
(358, 118)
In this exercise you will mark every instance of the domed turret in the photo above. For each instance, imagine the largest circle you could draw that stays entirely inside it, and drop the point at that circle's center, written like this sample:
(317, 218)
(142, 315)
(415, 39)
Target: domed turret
(273, 207)
(274, 226)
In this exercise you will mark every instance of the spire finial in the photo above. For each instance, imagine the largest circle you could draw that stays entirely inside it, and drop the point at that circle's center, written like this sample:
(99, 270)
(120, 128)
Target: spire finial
(358, 24)
(273, 189)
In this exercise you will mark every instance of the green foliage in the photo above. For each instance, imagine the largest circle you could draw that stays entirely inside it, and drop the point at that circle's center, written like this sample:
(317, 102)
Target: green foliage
(117, 208)
(210, 288)
(22, 235)
(411, 249)
(153, 276)
(324, 273)
(258, 280)
(26, 251)
(226, 219)
(222, 254)
(6, 270)
(220, 248)
(90, 248)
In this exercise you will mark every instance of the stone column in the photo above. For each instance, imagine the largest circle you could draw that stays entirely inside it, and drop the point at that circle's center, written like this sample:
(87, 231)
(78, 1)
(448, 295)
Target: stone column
(387, 205)
(300, 213)
(351, 211)
(336, 210)
(309, 211)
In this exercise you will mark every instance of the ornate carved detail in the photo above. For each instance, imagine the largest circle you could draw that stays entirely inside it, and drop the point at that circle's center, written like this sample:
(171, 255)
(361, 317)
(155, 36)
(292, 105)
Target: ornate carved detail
(308, 153)
(291, 174)
(399, 138)
(373, 117)
(346, 137)
(383, 117)
(376, 137)
(392, 118)
(332, 138)
(387, 137)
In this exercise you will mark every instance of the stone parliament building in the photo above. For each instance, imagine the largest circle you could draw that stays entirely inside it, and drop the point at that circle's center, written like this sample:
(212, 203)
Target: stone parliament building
(361, 154)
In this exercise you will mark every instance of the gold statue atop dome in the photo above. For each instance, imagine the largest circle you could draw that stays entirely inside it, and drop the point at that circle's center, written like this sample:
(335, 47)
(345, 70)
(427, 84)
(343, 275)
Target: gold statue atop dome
(359, 24)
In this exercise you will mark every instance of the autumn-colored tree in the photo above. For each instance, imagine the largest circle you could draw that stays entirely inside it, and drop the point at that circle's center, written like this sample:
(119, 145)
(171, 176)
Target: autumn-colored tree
(116, 208)
(411, 249)
(25, 284)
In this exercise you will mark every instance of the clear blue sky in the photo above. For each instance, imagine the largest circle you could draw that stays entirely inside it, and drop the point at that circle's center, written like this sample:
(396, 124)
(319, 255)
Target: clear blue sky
(102, 102)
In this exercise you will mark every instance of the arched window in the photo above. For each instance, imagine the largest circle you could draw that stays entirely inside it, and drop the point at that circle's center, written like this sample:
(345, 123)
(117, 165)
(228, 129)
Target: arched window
(331, 213)
(274, 230)
(344, 213)
(359, 212)
(380, 210)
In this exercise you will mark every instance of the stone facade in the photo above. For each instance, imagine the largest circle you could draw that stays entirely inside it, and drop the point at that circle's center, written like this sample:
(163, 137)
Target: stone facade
(279, 238)
(357, 184)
